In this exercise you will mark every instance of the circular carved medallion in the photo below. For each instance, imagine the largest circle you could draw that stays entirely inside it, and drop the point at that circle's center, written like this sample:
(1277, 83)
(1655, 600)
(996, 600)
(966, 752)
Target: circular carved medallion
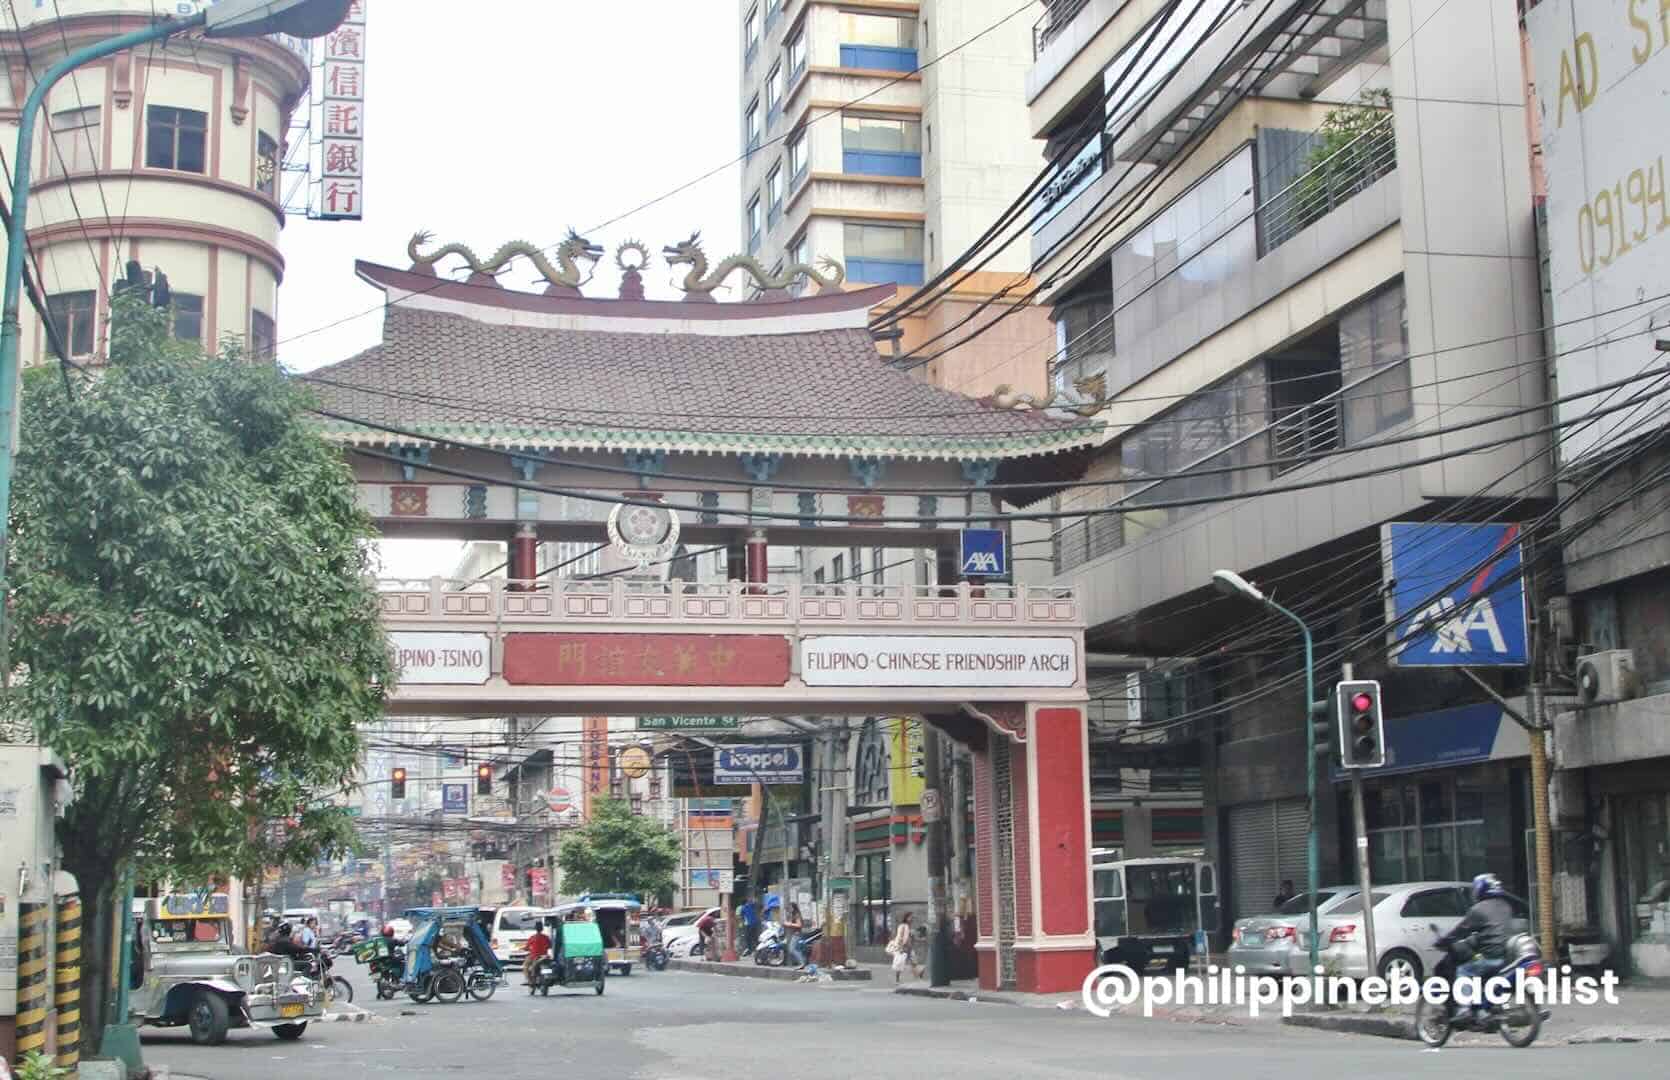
(643, 534)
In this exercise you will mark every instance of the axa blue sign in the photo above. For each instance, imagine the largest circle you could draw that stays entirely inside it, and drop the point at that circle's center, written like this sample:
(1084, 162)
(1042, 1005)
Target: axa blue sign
(455, 798)
(1465, 735)
(1454, 595)
(983, 553)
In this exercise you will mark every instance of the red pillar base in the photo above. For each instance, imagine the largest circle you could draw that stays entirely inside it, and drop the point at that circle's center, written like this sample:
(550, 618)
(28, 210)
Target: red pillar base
(1052, 971)
(829, 952)
(986, 960)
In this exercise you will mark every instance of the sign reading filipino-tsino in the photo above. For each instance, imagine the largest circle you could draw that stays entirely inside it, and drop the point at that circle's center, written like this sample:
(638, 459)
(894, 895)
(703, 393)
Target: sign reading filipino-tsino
(865, 660)
(341, 119)
(437, 659)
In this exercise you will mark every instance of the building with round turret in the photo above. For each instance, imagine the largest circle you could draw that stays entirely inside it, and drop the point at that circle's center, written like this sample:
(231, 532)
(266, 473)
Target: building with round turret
(169, 155)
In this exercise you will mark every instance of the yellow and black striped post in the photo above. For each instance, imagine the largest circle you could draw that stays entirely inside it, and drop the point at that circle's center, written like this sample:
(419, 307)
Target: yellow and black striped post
(32, 927)
(67, 981)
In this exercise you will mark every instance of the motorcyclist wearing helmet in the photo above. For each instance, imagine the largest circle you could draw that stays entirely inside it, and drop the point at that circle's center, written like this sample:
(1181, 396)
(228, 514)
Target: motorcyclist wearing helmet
(1488, 923)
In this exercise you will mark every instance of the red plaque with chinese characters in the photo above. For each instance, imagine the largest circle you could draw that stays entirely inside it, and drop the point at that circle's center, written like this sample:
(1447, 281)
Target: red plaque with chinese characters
(646, 659)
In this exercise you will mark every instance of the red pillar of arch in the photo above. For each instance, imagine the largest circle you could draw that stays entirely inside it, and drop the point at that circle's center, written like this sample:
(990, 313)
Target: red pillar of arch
(524, 556)
(1048, 841)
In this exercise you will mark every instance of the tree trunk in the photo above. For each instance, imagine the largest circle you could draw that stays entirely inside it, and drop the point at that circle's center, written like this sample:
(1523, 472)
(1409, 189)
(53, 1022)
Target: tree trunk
(100, 908)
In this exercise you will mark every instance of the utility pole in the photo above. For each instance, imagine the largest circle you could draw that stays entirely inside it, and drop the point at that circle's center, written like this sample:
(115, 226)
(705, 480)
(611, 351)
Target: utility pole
(1537, 735)
(933, 808)
(1359, 828)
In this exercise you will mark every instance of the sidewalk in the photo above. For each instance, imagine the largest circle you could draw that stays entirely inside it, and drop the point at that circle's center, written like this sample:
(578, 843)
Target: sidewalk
(1642, 1014)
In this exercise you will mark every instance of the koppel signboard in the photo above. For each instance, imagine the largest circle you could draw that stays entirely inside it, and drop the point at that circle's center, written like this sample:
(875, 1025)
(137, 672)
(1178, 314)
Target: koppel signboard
(776, 764)
(1454, 597)
(1602, 73)
(431, 659)
(865, 660)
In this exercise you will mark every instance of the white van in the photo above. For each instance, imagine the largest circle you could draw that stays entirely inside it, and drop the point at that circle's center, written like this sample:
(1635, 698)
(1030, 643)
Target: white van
(510, 931)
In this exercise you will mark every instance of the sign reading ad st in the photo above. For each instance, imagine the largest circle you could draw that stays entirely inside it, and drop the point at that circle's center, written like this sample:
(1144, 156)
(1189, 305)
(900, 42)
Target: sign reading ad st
(863, 660)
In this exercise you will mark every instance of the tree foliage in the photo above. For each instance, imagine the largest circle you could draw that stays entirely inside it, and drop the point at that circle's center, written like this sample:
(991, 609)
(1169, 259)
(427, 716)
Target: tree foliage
(619, 851)
(192, 618)
(1354, 147)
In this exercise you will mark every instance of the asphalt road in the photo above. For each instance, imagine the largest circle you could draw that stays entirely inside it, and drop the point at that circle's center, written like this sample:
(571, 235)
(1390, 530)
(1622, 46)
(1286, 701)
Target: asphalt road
(676, 1026)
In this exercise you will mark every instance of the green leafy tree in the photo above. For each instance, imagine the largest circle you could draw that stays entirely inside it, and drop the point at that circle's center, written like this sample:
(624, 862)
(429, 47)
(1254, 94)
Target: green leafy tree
(192, 619)
(1355, 146)
(619, 851)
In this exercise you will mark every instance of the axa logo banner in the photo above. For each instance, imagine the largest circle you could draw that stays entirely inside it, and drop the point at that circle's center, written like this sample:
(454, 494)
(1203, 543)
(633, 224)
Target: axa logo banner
(983, 553)
(1454, 596)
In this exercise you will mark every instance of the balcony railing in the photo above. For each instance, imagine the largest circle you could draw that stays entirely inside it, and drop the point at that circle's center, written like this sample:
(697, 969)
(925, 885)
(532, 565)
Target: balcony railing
(1057, 14)
(1331, 182)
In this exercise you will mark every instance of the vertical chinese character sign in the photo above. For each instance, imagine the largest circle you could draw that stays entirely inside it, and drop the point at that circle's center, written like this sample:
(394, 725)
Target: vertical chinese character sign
(341, 120)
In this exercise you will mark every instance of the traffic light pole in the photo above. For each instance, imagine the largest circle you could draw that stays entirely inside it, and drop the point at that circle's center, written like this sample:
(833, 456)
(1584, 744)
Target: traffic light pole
(1313, 870)
(1359, 829)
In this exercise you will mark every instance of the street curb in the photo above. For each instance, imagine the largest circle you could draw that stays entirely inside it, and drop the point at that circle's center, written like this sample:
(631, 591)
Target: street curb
(1354, 1024)
(707, 967)
(954, 995)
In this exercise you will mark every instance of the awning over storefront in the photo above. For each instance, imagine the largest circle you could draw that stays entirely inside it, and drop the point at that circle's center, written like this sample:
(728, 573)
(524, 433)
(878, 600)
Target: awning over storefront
(1448, 737)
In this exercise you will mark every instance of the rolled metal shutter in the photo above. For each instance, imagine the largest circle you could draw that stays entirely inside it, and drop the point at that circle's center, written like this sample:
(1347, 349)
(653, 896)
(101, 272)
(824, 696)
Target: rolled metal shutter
(1266, 845)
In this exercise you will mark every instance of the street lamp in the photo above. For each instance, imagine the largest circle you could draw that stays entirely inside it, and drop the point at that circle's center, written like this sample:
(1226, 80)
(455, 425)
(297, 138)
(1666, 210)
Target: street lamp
(1230, 583)
(230, 18)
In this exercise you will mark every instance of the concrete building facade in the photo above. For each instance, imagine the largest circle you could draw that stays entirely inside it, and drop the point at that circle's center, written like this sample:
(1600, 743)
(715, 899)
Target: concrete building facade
(1265, 254)
(895, 186)
(169, 156)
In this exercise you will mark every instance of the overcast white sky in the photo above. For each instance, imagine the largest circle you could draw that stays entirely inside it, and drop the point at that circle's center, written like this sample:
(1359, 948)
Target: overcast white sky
(514, 120)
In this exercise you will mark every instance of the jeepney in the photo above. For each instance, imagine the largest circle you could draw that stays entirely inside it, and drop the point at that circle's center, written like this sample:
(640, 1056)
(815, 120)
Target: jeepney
(186, 972)
(617, 919)
(1153, 910)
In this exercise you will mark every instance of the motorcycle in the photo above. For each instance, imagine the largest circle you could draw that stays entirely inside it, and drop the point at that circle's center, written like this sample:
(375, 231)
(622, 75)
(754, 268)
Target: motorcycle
(772, 950)
(316, 965)
(654, 956)
(1518, 1022)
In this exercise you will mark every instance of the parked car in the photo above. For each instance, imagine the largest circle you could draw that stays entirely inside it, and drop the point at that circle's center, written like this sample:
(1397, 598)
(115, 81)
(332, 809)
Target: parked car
(678, 932)
(1269, 944)
(1403, 919)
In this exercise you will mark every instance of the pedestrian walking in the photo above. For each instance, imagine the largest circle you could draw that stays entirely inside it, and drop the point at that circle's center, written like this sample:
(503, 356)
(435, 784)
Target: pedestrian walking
(900, 947)
(793, 924)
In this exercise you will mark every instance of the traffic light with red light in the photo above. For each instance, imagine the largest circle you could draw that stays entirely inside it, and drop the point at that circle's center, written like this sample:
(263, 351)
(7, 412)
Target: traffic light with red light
(1362, 725)
(397, 784)
(484, 780)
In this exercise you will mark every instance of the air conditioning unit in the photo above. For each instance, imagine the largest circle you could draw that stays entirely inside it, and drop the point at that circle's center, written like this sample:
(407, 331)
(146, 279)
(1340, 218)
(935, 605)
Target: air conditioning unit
(1606, 676)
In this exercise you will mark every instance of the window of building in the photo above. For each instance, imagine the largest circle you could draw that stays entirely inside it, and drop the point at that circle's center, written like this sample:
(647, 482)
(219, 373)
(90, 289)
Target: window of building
(74, 314)
(188, 317)
(856, 557)
(1083, 338)
(774, 189)
(1374, 341)
(176, 139)
(877, 42)
(263, 336)
(877, 254)
(1427, 829)
(774, 89)
(817, 576)
(753, 223)
(751, 31)
(797, 154)
(872, 881)
(878, 564)
(266, 165)
(751, 123)
(800, 253)
(881, 146)
(797, 53)
(1140, 67)
(837, 569)
(75, 138)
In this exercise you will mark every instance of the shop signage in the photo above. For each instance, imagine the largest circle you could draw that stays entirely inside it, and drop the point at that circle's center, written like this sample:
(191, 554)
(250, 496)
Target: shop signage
(430, 659)
(559, 800)
(539, 882)
(1448, 738)
(455, 798)
(931, 806)
(983, 553)
(855, 660)
(1454, 597)
(341, 118)
(778, 764)
(634, 761)
(547, 659)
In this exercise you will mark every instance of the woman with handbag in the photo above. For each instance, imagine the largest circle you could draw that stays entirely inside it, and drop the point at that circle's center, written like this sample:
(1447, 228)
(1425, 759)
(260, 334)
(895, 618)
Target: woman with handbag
(900, 947)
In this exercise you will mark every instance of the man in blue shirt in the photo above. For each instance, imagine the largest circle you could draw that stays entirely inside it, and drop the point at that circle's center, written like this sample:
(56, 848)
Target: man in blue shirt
(749, 914)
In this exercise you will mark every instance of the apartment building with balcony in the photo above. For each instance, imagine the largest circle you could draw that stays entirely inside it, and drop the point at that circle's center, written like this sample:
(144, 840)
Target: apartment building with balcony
(171, 156)
(899, 183)
(1296, 239)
